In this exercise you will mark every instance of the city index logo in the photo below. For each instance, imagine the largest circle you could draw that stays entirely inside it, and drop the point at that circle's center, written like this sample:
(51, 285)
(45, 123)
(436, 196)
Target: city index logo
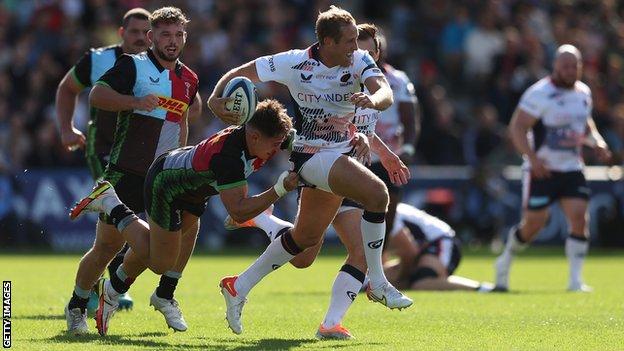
(172, 105)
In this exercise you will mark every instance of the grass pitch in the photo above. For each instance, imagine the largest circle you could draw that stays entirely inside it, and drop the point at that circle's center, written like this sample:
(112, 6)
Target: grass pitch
(286, 308)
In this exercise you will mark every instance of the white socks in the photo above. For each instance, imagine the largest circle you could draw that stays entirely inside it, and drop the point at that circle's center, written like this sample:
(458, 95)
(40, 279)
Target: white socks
(344, 291)
(576, 249)
(271, 224)
(373, 233)
(276, 254)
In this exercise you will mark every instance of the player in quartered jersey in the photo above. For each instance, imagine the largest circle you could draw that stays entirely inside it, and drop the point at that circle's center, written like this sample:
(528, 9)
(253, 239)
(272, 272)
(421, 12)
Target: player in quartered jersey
(176, 190)
(428, 254)
(152, 92)
(549, 127)
(89, 68)
(324, 83)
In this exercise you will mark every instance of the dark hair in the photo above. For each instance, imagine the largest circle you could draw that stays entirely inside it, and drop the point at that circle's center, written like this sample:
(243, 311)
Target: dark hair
(271, 119)
(330, 22)
(168, 15)
(138, 13)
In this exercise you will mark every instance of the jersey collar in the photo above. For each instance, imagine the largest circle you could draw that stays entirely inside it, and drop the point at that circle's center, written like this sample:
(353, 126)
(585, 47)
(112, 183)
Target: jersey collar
(152, 57)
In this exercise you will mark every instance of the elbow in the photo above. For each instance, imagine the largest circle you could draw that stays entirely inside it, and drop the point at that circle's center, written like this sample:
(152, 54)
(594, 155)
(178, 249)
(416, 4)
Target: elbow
(94, 97)
(387, 102)
(239, 217)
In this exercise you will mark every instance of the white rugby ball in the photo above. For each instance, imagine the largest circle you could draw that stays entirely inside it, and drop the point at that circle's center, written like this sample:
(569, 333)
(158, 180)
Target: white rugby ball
(244, 98)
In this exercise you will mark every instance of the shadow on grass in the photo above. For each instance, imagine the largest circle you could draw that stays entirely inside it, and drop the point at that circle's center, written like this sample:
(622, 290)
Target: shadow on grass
(284, 344)
(41, 317)
(137, 340)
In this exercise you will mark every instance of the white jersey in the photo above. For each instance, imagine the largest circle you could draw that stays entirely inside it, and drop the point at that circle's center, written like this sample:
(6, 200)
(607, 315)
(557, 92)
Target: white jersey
(563, 114)
(424, 227)
(323, 113)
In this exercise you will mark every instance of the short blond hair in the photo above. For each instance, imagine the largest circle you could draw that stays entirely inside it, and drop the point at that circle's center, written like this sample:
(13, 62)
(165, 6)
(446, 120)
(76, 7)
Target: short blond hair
(329, 23)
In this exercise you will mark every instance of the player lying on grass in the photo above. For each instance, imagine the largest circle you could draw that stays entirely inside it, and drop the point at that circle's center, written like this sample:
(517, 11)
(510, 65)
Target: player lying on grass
(428, 254)
(177, 186)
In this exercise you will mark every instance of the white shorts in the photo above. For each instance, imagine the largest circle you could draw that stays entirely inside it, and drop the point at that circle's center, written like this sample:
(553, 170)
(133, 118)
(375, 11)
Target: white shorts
(315, 171)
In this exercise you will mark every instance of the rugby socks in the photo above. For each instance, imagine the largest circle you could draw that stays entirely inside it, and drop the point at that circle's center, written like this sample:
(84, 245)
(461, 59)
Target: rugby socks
(120, 281)
(167, 285)
(276, 254)
(346, 286)
(271, 224)
(373, 233)
(576, 248)
(79, 299)
(513, 245)
(122, 216)
(117, 261)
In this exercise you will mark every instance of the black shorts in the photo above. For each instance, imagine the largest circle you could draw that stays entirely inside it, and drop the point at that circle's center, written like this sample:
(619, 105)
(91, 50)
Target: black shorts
(540, 193)
(448, 250)
(129, 189)
(164, 200)
(97, 164)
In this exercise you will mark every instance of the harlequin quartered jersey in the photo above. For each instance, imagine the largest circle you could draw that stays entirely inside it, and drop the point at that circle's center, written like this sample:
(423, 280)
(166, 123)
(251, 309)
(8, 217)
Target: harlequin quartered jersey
(141, 136)
(424, 227)
(89, 68)
(562, 114)
(323, 112)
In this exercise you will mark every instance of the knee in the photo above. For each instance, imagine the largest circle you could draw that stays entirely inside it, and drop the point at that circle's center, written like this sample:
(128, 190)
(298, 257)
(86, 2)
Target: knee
(376, 198)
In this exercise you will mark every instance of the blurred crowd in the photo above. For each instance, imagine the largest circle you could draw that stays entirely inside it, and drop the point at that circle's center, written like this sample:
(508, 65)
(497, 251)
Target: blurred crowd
(469, 60)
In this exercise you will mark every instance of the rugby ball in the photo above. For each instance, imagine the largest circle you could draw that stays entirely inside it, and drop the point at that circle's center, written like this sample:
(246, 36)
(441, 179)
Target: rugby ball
(244, 98)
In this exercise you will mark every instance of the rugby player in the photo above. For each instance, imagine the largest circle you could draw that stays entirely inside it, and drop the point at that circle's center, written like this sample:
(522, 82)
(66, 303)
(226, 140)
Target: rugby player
(88, 69)
(549, 127)
(152, 92)
(324, 81)
(176, 190)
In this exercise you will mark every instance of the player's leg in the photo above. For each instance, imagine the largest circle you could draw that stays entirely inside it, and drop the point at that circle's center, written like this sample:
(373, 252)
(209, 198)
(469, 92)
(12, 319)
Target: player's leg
(577, 243)
(317, 209)
(350, 179)
(537, 195)
(349, 279)
(162, 299)
(107, 243)
(395, 195)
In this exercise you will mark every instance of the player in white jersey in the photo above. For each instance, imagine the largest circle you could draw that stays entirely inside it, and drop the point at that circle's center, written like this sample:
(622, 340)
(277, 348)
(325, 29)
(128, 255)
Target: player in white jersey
(550, 125)
(428, 253)
(324, 81)
(347, 221)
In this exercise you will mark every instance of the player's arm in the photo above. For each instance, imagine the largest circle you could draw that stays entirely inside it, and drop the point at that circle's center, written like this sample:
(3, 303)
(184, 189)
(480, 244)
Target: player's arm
(113, 91)
(380, 97)
(193, 112)
(216, 103)
(66, 95)
(243, 207)
(594, 140)
(397, 170)
(519, 126)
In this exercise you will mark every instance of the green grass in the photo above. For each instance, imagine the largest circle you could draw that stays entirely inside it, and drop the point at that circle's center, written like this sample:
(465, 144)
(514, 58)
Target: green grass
(286, 308)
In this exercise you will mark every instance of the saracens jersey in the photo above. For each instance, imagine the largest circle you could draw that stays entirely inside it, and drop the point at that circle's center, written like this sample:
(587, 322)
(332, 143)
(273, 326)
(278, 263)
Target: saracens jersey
(141, 136)
(562, 114)
(218, 163)
(425, 227)
(323, 113)
(387, 124)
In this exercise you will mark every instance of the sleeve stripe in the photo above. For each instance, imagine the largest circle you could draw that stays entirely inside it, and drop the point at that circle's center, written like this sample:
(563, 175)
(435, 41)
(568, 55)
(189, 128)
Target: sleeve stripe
(231, 185)
(76, 79)
(101, 82)
(372, 65)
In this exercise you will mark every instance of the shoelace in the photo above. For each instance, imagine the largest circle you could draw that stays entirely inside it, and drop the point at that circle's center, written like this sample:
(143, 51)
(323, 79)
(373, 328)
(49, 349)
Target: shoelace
(76, 317)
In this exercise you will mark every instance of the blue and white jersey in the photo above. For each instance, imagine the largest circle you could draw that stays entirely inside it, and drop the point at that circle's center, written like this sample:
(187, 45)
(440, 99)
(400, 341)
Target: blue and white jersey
(323, 114)
(562, 114)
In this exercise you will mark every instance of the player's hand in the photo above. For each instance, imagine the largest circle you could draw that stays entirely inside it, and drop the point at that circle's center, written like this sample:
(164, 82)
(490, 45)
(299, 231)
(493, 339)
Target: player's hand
(72, 139)
(291, 181)
(217, 106)
(398, 172)
(362, 100)
(361, 148)
(146, 103)
(603, 153)
(538, 168)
